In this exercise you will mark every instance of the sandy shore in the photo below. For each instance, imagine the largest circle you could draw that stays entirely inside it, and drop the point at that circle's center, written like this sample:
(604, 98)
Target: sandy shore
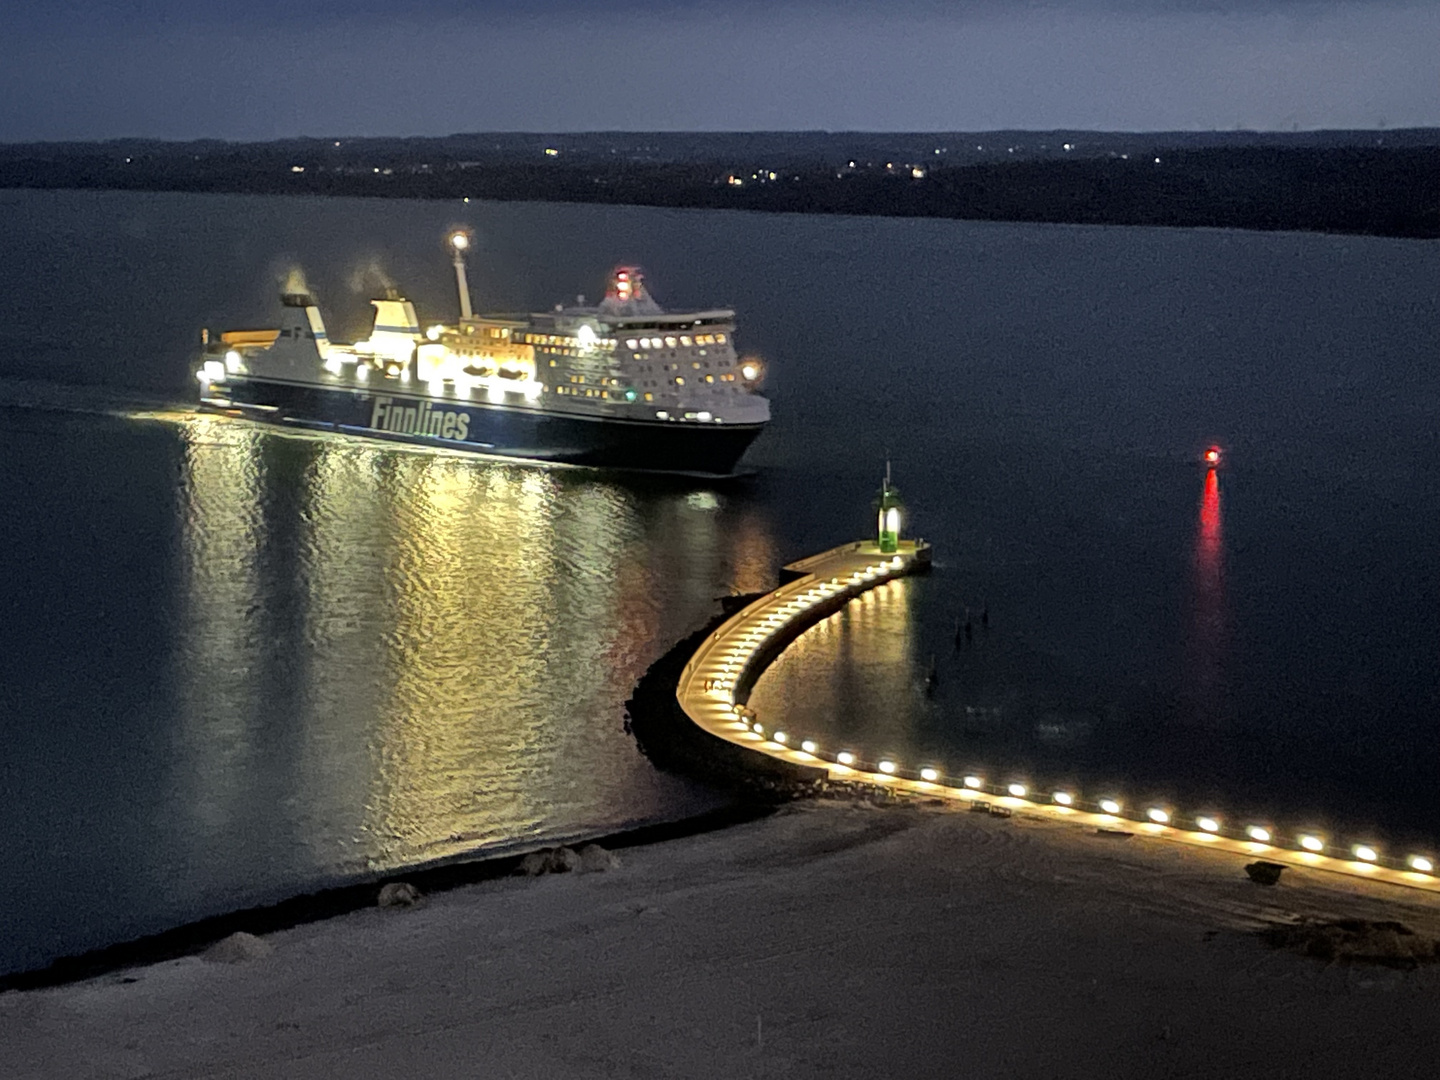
(831, 940)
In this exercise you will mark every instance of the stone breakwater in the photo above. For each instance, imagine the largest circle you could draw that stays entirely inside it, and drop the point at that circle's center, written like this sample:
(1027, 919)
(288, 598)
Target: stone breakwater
(713, 688)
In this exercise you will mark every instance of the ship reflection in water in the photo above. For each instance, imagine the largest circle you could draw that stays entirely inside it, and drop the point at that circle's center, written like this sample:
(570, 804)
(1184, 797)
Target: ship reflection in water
(389, 657)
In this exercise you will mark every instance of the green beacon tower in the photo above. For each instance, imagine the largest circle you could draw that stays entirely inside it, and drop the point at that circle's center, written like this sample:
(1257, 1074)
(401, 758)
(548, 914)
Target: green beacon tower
(889, 517)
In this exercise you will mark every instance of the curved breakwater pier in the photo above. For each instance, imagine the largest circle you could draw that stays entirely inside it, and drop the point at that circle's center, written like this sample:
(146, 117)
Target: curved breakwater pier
(715, 684)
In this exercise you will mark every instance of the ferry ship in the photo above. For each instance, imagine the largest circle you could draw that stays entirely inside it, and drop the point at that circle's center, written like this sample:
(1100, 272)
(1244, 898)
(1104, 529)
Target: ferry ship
(621, 385)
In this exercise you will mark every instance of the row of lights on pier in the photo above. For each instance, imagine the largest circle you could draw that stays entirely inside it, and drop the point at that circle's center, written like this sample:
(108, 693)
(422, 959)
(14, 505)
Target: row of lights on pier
(973, 785)
(1257, 834)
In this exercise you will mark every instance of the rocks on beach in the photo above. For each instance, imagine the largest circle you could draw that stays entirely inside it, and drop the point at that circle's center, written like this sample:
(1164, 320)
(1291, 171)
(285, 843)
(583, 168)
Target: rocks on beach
(561, 860)
(237, 949)
(398, 894)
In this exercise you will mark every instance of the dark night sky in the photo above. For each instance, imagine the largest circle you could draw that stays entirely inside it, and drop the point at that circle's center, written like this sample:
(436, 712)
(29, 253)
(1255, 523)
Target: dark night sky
(83, 69)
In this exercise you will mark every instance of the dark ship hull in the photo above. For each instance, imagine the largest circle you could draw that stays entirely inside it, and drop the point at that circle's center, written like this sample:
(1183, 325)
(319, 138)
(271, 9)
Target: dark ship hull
(506, 430)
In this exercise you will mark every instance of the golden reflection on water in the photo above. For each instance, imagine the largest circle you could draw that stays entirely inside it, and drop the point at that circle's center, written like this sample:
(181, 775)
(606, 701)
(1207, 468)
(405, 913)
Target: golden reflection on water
(221, 514)
(851, 677)
(434, 651)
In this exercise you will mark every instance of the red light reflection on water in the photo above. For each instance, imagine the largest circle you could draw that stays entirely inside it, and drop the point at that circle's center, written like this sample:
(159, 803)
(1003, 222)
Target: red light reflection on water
(1210, 631)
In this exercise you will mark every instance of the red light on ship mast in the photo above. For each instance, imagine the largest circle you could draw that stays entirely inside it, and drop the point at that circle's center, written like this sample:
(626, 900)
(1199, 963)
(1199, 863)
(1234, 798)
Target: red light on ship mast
(1212, 456)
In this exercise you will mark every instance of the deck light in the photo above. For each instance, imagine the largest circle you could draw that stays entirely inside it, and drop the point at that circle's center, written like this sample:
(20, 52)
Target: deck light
(887, 766)
(1110, 806)
(929, 775)
(845, 757)
(1155, 814)
(1018, 790)
(1259, 835)
(1208, 824)
(780, 737)
(1312, 843)
(757, 729)
(1365, 853)
(973, 782)
(1063, 798)
(1419, 862)
(809, 746)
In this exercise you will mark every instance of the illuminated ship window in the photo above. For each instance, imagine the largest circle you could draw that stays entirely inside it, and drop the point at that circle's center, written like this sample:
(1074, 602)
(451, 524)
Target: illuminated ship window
(649, 397)
(709, 378)
(720, 339)
(669, 342)
(685, 341)
(695, 364)
(679, 380)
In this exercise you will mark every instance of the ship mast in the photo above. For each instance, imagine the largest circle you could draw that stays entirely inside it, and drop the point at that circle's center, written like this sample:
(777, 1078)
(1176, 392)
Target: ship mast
(459, 241)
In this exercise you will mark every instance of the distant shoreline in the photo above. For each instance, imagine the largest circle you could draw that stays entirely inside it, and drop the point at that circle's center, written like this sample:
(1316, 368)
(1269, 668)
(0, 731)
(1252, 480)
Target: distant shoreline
(1345, 188)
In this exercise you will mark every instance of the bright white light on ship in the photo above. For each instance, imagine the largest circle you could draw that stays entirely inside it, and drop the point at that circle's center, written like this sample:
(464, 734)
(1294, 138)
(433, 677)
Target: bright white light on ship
(809, 746)
(1259, 835)
(1155, 814)
(362, 372)
(757, 729)
(1365, 854)
(232, 361)
(929, 775)
(749, 371)
(845, 757)
(1110, 806)
(586, 336)
(1064, 798)
(1018, 790)
(973, 781)
(887, 767)
(1312, 843)
(434, 332)
(1419, 862)
(780, 737)
(1208, 824)
(459, 241)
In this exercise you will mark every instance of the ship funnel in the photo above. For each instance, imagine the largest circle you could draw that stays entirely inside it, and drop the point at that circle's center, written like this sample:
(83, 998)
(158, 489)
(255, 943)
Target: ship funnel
(303, 320)
(396, 330)
(627, 296)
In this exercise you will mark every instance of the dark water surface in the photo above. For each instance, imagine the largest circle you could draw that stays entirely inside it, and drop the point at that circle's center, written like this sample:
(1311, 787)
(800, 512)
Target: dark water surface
(237, 665)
